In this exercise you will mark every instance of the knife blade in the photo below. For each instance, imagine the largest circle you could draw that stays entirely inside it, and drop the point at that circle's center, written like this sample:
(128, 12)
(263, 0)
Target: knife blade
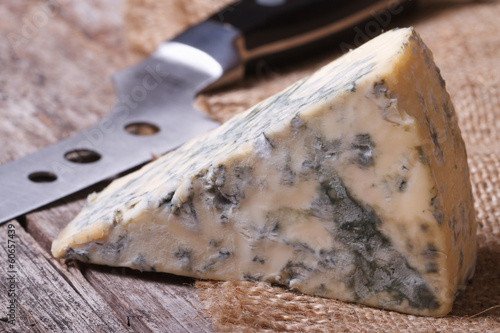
(154, 112)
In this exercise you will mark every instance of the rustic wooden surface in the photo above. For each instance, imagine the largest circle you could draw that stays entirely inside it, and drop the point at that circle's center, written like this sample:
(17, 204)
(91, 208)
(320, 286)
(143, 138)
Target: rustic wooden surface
(56, 58)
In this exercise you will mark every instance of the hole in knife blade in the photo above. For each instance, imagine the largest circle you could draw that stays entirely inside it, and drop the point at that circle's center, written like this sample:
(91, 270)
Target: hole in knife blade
(82, 156)
(142, 128)
(42, 177)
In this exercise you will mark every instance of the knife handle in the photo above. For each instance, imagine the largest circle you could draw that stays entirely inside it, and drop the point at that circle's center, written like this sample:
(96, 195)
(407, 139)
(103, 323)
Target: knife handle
(274, 30)
(248, 32)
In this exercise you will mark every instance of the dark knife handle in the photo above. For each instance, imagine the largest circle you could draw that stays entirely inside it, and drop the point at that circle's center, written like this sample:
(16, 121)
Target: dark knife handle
(274, 30)
(266, 22)
(277, 30)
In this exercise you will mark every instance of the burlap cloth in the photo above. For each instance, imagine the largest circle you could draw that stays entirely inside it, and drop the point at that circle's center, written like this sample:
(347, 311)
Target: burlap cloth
(465, 39)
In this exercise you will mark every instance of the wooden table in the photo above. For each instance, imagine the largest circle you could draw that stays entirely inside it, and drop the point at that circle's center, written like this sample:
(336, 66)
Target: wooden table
(55, 64)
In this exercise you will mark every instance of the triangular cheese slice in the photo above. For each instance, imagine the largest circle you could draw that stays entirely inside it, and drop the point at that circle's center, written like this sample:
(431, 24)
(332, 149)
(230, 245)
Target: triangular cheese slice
(351, 184)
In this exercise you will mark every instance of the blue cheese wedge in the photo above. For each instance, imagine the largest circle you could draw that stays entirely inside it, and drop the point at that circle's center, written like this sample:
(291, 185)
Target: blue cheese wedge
(351, 184)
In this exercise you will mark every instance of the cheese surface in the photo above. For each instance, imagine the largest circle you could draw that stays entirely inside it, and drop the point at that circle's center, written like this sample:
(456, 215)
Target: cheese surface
(351, 184)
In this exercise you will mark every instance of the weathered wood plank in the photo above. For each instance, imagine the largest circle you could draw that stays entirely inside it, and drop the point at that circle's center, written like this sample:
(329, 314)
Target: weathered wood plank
(24, 321)
(54, 81)
(44, 299)
(161, 302)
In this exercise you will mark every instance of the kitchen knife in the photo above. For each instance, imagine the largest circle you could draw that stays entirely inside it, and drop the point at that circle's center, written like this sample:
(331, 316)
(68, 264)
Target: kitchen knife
(154, 112)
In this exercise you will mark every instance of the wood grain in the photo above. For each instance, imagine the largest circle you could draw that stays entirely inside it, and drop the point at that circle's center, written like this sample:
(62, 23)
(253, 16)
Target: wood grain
(47, 299)
(56, 58)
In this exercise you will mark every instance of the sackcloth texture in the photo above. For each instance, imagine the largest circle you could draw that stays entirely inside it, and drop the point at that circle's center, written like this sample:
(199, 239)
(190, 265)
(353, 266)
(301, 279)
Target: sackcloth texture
(465, 39)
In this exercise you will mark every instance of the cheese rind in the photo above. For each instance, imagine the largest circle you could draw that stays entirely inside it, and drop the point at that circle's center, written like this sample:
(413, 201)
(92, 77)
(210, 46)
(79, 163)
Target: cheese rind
(351, 184)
